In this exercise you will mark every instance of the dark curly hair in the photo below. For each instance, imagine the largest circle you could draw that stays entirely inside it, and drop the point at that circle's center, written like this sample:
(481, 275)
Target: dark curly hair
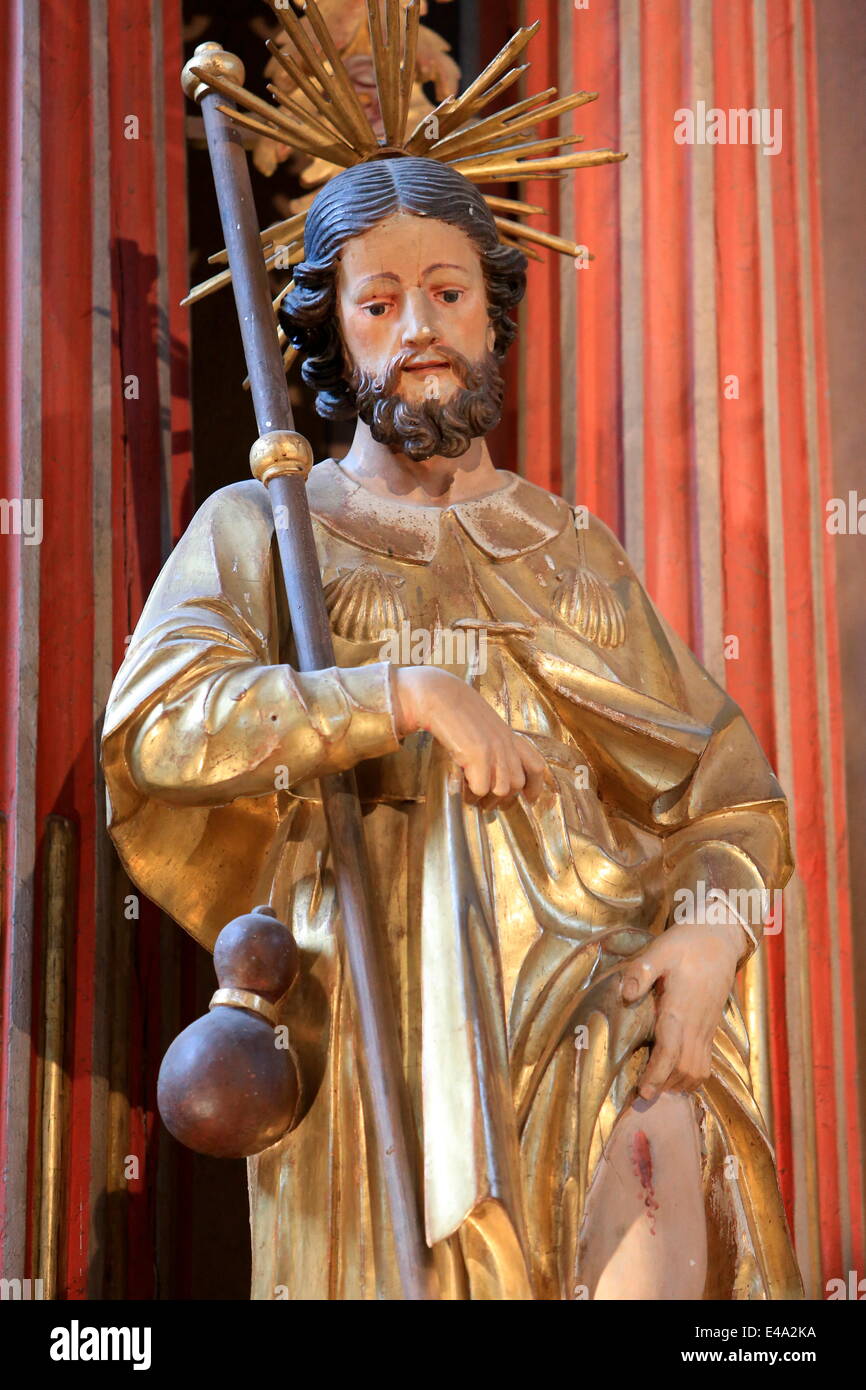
(354, 202)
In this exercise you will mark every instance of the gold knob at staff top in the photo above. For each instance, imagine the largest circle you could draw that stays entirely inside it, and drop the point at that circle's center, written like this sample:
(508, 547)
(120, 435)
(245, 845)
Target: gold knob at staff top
(280, 453)
(210, 58)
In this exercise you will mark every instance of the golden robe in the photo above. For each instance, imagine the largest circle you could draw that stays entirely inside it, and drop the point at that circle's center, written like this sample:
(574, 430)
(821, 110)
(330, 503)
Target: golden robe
(505, 930)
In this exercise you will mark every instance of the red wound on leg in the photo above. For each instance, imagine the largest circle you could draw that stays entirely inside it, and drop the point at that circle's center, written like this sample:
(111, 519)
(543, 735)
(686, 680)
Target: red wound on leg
(642, 1162)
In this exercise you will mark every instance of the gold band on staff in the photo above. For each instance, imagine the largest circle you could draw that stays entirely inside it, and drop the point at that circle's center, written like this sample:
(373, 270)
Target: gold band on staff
(280, 454)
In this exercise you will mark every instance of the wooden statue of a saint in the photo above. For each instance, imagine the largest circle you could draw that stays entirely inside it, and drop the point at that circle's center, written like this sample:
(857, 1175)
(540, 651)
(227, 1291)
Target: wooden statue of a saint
(553, 789)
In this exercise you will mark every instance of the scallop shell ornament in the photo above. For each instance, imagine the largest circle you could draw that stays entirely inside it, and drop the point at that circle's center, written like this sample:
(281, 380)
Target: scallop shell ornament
(590, 606)
(364, 603)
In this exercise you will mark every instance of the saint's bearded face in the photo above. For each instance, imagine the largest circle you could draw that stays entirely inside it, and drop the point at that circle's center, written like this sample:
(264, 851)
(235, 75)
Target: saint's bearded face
(417, 336)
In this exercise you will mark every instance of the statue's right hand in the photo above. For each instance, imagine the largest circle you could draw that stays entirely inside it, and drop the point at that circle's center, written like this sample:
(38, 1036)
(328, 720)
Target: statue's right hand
(498, 764)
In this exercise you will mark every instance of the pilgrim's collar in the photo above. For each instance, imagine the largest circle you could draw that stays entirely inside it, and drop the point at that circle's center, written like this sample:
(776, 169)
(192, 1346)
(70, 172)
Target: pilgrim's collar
(512, 521)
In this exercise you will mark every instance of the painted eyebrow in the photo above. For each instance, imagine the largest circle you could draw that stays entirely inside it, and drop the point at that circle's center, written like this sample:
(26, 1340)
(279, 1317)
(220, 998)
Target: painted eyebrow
(389, 274)
(380, 275)
(445, 265)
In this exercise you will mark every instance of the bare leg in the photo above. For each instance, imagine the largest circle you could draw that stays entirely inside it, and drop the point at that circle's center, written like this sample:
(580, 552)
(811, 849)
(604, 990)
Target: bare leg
(644, 1233)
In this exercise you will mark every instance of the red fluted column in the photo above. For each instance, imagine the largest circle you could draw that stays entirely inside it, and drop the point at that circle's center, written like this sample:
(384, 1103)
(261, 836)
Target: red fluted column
(98, 431)
(593, 44)
(668, 471)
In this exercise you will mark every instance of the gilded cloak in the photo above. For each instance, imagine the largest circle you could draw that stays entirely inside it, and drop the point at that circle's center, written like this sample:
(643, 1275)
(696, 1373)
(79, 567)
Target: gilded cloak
(504, 930)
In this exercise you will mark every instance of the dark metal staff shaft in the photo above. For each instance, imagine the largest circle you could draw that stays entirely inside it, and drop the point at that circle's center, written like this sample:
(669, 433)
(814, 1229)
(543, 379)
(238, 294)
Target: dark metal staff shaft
(386, 1091)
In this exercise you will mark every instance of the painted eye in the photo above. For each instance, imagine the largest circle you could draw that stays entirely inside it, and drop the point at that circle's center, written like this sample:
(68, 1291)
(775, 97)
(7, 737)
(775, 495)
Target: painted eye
(455, 293)
(376, 310)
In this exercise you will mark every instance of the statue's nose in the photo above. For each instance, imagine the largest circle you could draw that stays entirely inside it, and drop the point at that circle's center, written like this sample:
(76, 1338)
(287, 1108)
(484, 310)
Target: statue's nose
(419, 335)
(423, 336)
(418, 330)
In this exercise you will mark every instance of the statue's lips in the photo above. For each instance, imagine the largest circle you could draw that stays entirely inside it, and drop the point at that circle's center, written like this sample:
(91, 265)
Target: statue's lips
(428, 367)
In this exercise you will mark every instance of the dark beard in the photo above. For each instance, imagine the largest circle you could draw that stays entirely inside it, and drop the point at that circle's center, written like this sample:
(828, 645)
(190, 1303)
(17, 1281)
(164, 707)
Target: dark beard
(431, 427)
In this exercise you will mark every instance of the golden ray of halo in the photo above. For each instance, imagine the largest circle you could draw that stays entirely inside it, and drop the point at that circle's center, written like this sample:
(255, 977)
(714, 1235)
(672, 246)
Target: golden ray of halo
(478, 134)
(393, 134)
(499, 87)
(491, 124)
(527, 250)
(511, 204)
(412, 144)
(294, 253)
(477, 92)
(277, 232)
(380, 62)
(273, 121)
(548, 239)
(332, 153)
(407, 64)
(306, 118)
(328, 112)
(444, 113)
(342, 81)
(535, 168)
(351, 112)
(510, 153)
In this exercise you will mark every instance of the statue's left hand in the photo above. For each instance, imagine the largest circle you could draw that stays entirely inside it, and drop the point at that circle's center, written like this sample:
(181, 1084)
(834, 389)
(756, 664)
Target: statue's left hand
(692, 967)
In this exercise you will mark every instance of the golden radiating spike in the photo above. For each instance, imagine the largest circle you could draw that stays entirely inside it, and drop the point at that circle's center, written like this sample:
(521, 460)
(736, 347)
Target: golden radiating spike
(495, 176)
(278, 232)
(419, 140)
(498, 118)
(497, 89)
(329, 113)
(392, 68)
(548, 239)
(443, 112)
(287, 289)
(282, 232)
(516, 173)
(342, 81)
(304, 48)
(246, 99)
(527, 250)
(453, 111)
(490, 125)
(280, 132)
(480, 134)
(199, 292)
(578, 99)
(305, 118)
(271, 115)
(552, 111)
(512, 152)
(491, 73)
(407, 67)
(357, 128)
(380, 59)
(294, 253)
(510, 204)
(316, 136)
